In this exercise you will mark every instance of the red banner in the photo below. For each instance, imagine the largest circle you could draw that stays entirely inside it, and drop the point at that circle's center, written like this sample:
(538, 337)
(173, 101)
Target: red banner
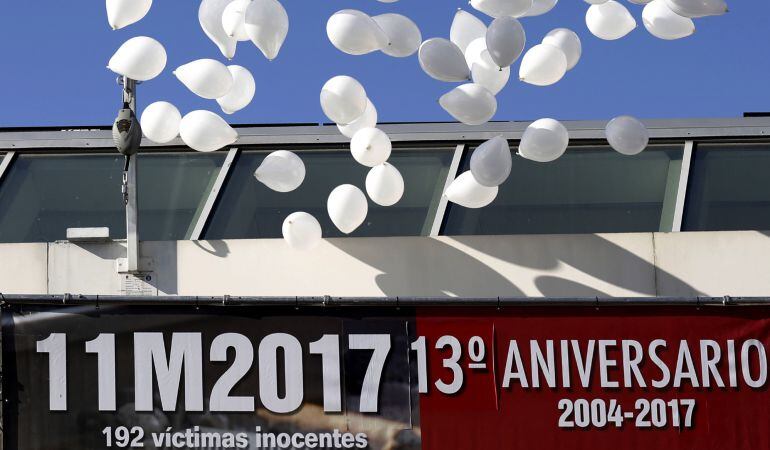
(586, 378)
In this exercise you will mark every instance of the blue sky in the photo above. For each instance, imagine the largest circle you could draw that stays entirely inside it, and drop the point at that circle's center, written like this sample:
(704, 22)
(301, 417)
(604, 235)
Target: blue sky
(54, 55)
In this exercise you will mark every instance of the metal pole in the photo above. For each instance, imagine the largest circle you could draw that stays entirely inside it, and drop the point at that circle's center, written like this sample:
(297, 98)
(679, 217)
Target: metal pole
(132, 216)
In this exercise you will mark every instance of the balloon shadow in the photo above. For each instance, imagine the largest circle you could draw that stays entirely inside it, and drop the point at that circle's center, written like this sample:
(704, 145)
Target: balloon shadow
(424, 267)
(592, 254)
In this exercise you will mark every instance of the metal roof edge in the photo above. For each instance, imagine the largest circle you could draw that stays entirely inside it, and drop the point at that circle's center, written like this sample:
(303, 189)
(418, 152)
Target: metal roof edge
(748, 127)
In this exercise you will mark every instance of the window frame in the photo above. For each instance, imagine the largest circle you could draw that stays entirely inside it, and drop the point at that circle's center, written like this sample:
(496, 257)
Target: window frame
(435, 212)
(747, 140)
(754, 130)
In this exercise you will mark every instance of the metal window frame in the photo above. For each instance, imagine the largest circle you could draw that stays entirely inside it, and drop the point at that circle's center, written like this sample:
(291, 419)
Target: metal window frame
(454, 166)
(681, 194)
(216, 189)
(414, 135)
(6, 163)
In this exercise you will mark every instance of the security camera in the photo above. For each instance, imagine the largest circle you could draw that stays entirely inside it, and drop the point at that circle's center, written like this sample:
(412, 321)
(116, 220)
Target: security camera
(126, 132)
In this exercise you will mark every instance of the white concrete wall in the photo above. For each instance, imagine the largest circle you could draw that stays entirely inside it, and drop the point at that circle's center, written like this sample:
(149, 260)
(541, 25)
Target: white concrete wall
(642, 264)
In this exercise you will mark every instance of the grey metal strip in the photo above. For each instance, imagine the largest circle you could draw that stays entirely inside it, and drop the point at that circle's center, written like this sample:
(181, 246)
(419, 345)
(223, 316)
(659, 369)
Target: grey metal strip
(213, 195)
(681, 192)
(69, 300)
(132, 218)
(438, 218)
(6, 163)
(679, 129)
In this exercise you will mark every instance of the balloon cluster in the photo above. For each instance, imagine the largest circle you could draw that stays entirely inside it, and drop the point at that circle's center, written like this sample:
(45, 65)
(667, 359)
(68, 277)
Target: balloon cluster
(476, 55)
(345, 102)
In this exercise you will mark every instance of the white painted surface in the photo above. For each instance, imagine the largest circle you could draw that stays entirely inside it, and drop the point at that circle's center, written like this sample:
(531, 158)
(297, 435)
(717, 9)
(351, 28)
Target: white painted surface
(88, 234)
(735, 263)
(23, 269)
(638, 264)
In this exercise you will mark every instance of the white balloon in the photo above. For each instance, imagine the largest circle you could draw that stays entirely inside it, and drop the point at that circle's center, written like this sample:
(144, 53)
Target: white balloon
(370, 146)
(627, 135)
(210, 18)
(301, 231)
(403, 34)
(384, 184)
(347, 207)
(609, 21)
(205, 131)
(540, 7)
(698, 8)
(486, 73)
(595, 2)
(442, 59)
(241, 93)
(281, 171)
(160, 122)
(465, 29)
(233, 19)
(122, 13)
(640, 2)
(544, 140)
(502, 8)
(367, 120)
(140, 58)
(343, 99)
(474, 50)
(467, 192)
(267, 25)
(470, 103)
(543, 65)
(663, 23)
(355, 33)
(207, 78)
(568, 41)
(491, 162)
(505, 40)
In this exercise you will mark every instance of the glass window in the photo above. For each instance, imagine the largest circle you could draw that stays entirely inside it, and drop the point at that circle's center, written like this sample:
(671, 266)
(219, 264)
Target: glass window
(248, 209)
(587, 190)
(172, 191)
(43, 195)
(729, 188)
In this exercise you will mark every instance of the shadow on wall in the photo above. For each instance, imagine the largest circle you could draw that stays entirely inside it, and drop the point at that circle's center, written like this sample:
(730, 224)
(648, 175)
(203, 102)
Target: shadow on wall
(551, 286)
(416, 266)
(431, 267)
(216, 248)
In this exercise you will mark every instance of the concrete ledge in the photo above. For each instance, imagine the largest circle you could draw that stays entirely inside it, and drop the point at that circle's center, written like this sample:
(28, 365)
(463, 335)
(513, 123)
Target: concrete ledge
(554, 266)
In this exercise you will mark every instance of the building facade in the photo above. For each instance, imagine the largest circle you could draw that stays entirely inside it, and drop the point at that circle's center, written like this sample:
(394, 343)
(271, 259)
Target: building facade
(601, 301)
(684, 218)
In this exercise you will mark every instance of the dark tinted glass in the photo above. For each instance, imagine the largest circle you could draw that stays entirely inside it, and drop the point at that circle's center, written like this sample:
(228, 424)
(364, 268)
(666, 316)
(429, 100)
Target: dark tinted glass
(172, 191)
(248, 209)
(587, 190)
(42, 196)
(729, 188)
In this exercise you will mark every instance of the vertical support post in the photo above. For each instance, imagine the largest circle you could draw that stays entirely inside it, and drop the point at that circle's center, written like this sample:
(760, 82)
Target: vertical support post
(132, 222)
(129, 179)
